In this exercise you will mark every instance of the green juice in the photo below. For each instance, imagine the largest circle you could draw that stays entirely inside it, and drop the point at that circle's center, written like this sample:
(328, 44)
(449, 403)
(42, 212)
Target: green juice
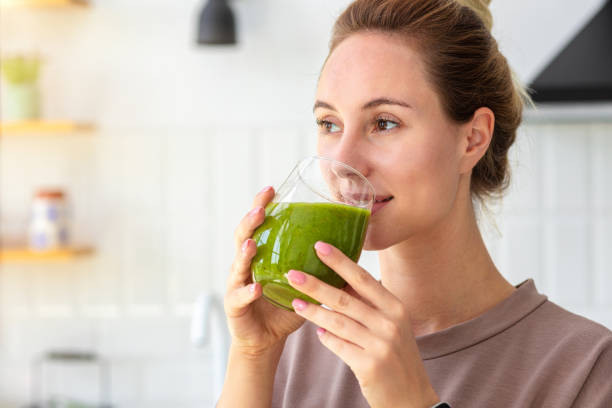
(286, 241)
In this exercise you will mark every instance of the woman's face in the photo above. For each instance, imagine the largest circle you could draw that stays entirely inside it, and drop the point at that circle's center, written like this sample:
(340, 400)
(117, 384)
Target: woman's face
(377, 112)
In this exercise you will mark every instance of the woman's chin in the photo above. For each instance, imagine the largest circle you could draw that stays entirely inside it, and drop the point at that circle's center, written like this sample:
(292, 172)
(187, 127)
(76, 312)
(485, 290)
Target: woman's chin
(371, 243)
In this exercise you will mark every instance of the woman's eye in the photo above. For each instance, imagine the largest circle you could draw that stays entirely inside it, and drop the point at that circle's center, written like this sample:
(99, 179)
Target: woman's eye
(328, 126)
(385, 124)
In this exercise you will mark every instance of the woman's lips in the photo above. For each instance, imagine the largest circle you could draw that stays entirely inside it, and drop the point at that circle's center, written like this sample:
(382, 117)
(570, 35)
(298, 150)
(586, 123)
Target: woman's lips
(380, 204)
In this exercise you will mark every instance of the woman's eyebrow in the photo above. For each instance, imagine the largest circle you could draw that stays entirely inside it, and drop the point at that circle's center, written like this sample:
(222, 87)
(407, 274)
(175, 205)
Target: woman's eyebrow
(385, 101)
(372, 104)
(321, 104)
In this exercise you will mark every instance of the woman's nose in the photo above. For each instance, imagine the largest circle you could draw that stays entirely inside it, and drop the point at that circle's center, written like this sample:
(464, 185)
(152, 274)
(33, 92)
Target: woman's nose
(350, 153)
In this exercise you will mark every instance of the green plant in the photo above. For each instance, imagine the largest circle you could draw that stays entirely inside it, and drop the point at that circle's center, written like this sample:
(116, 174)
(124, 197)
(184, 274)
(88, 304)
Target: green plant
(20, 69)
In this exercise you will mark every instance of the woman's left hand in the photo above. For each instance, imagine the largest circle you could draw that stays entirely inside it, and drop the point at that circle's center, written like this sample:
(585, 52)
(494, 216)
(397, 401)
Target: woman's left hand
(371, 333)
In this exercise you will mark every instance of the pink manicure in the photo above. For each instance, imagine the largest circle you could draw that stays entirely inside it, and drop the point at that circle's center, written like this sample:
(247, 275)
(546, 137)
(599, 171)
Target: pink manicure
(296, 277)
(265, 189)
(323, 248)
(298, 304)
(321, 331)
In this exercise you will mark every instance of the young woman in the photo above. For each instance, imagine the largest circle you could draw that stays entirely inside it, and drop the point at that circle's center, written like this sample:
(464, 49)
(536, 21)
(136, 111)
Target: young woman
(415, 95)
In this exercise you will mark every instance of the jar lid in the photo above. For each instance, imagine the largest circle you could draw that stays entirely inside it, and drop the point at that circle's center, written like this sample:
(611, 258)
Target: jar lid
(50, 193)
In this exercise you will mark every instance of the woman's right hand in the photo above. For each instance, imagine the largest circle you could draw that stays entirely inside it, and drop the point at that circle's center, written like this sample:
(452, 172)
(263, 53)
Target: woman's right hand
(254, 323)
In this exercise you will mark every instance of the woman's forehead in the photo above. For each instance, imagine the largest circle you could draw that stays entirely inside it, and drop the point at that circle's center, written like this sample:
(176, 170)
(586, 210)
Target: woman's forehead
(368, 64)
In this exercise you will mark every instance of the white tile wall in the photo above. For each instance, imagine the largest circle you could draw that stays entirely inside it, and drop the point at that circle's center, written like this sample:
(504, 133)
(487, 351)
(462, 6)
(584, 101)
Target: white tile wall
(186, 137)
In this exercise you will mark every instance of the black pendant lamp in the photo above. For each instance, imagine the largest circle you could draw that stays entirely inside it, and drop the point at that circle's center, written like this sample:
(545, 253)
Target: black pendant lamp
(216, 24)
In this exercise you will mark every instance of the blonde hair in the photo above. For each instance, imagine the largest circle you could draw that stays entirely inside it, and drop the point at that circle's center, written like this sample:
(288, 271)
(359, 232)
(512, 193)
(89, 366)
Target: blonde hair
(463, 63)
(481, 8)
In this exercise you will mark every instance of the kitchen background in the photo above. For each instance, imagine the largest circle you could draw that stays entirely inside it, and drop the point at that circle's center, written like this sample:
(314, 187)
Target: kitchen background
(162, 144)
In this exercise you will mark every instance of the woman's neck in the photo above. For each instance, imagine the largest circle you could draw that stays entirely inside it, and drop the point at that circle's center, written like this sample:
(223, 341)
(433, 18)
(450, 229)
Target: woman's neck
(444, 276)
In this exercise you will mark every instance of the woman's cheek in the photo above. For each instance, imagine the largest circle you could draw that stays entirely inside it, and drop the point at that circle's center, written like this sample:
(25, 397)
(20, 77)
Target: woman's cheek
(323, 146)
(428, 182)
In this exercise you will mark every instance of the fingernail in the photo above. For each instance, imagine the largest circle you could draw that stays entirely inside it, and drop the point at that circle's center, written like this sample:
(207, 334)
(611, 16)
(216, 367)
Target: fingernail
(265, 189)
(252, 288)
(323, 248)
(298, 304)
(254, 211)
(296, 277)
(321, 331)
(245, 245)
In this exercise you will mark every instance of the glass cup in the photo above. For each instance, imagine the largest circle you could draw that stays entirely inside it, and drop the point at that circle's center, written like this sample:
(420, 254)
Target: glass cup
(321, 200)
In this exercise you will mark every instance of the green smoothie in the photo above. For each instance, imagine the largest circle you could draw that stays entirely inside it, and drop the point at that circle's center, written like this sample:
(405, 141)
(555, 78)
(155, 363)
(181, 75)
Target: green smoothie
(286, 241)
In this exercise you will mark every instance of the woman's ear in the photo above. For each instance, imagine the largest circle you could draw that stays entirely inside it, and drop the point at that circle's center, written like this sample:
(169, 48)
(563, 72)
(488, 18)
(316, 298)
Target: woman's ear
(476, 137)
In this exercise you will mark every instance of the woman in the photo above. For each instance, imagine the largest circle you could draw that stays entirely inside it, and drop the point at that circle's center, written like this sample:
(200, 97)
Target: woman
(415, 95)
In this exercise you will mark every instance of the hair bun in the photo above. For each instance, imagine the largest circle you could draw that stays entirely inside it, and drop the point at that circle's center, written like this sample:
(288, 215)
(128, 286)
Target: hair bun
(480, 7)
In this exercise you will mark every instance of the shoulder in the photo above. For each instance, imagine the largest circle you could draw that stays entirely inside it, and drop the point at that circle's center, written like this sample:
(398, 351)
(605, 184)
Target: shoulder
(554, 340)
(571, 327)
(533, 325)
(585, 348)
(572, 345)
(555, 358)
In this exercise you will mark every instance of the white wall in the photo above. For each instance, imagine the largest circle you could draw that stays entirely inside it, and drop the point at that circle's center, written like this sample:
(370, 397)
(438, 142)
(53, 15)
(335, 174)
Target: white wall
(187, 135)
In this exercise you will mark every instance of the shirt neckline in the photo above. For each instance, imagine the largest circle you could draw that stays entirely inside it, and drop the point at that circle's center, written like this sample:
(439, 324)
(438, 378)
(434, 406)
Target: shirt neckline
(500, 317)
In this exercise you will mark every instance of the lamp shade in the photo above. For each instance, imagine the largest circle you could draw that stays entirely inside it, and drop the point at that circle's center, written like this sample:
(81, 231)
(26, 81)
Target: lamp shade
(216, 24)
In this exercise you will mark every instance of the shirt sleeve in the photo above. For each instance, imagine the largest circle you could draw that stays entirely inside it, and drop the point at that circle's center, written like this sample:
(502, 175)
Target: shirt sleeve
(596, 391)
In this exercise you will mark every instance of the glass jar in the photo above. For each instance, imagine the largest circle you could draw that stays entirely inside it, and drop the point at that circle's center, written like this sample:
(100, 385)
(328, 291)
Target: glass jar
(49, 220)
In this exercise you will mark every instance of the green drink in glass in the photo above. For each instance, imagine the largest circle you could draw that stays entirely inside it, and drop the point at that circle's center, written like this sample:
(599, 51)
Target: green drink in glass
(321, 200)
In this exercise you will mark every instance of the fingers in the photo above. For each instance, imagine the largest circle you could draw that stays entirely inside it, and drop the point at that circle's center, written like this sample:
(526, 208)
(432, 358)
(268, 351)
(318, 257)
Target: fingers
(254, 217)
(337, 299)
(349, 289)
(358, 278)
(239, 294)
(240, 273)
(263, 197)
(336, 323)
(346, 350)
(237, 301)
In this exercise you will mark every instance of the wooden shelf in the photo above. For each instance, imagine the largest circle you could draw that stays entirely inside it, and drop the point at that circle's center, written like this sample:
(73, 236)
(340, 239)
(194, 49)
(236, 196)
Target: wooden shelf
(26, 255)
(43, 127)
(43, 3)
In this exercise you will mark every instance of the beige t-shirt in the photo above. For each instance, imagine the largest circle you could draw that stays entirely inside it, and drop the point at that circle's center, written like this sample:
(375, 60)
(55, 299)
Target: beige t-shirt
(524, 352)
